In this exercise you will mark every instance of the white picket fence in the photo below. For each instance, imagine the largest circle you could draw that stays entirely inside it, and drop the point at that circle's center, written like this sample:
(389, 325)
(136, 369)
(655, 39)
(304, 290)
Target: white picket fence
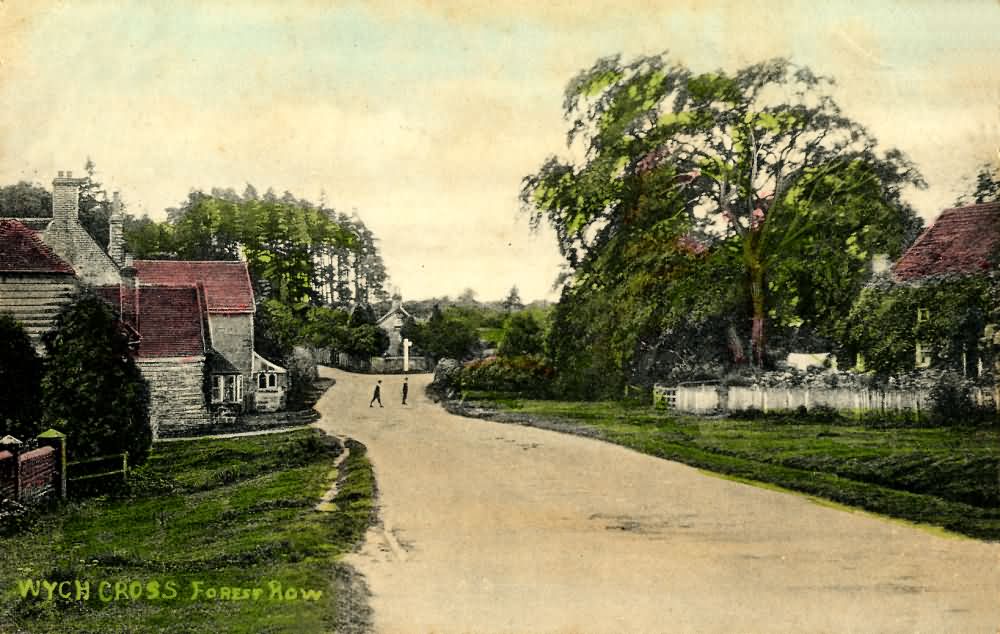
(703, 399)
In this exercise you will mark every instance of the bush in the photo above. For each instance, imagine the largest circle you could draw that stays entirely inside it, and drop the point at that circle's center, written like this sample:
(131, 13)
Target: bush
(20, 382)
(951, 402)
(92, 389)
(523, 375)
(302, 372)
(447, 373)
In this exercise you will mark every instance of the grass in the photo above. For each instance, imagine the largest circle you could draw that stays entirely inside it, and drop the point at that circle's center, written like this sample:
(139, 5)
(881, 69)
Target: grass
(222, 513)
(947, 477)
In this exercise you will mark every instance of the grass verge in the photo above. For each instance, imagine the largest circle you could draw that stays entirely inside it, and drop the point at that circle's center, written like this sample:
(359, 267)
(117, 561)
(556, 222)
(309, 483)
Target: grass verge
(200, 517)
(943, 477)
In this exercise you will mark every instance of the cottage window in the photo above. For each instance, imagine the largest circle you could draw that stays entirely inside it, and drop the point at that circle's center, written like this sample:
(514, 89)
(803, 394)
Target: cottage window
(229, 392)
(216, 389)
(262, 380)
(923, 355)
(272, 380)
(239, 387)
(923, 314)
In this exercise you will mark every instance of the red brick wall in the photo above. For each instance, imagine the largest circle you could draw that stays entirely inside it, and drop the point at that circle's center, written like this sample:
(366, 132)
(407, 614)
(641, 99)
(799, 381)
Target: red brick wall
(38, 472)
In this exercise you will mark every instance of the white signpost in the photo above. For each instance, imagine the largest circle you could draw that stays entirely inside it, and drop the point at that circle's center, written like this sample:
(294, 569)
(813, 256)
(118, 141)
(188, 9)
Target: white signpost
(406, 354)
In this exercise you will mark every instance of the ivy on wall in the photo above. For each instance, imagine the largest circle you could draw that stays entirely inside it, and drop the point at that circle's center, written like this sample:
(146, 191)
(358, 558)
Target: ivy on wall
(945, 314)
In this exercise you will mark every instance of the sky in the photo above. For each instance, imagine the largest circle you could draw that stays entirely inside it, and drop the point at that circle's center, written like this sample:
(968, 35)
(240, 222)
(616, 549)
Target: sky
(424, 115)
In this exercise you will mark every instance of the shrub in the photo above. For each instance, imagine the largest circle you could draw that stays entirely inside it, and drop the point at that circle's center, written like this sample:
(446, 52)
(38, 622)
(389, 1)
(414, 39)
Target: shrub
(523, 375)
(92, 389)
(447, 373)
(951, 402)
(20, 382)
(302, 372)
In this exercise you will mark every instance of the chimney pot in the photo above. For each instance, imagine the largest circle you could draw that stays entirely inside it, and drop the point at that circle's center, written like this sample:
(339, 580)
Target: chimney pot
(61, 173)
(69, 174)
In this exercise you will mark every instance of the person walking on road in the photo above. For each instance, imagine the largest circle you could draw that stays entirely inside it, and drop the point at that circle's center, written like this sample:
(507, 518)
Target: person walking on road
(406, 389)
(378, 395)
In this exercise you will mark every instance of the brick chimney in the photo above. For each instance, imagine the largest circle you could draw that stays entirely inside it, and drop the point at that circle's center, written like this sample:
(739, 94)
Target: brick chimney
(116, 239)
(66, 198)
(130, 294)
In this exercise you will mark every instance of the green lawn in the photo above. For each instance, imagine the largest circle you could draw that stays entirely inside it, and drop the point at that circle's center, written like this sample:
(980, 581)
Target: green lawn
(235, 513)
(947, 477)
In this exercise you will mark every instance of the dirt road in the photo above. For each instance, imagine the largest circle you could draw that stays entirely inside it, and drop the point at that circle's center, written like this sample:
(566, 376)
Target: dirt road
(500, 528)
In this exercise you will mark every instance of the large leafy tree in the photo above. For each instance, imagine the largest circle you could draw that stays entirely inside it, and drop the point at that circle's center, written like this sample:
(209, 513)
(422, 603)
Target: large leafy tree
(20, 381)
(761, 161)
(92, 389)
(25, 200)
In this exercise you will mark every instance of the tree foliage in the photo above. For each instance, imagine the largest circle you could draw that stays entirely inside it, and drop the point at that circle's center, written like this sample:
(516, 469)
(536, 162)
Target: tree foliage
(25, 200)
(760, 163)
(513, 300)
(987, 187)
(92, 389)
(522, 335)
(20, 382)
(298, 253)
(447, 334)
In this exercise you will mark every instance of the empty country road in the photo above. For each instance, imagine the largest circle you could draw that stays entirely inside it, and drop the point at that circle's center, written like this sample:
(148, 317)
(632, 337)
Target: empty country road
(489, 528)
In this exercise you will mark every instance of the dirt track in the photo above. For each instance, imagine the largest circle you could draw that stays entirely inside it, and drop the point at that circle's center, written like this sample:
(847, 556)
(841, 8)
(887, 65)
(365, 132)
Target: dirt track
(500, 528)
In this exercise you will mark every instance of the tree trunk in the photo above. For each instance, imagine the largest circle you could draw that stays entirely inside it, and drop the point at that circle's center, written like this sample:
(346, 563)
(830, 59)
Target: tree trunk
(756, 279)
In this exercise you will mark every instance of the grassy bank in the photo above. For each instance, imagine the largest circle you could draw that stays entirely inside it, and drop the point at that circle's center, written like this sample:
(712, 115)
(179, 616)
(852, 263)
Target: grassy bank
(946, 477)
(202, 516)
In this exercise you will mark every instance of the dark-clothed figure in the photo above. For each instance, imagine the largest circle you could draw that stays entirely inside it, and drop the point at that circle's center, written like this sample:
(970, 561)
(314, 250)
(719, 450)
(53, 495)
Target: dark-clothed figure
(406, 390)
(378, 395)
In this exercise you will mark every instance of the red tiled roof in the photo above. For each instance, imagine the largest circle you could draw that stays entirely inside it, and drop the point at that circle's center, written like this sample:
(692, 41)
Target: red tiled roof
(961, 240)
(169, 322)
(227, 284)
(22, 251)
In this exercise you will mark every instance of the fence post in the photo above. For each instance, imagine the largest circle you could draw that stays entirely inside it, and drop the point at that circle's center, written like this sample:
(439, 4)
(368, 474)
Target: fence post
(57, 440)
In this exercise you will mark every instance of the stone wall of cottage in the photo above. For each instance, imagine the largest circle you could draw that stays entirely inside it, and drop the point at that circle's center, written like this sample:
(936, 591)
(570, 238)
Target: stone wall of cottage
(232, 336)
(35, 300)
(177, 396)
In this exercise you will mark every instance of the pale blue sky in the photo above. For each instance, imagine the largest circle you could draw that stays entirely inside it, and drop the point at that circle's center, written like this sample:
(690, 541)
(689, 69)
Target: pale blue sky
(425, 115)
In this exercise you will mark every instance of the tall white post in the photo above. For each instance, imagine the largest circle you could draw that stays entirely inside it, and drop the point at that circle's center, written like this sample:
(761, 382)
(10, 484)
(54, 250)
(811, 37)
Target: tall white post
(406, 354)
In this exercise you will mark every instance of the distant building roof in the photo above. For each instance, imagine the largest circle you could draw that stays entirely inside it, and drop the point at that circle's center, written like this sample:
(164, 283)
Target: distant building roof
(169, 320)
(22, 251)
(961, 240)
(397, 307)
(227, 283)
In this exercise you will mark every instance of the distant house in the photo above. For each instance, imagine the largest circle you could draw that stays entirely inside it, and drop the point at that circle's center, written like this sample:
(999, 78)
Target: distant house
(392, 323)
(192, 321)
(962, 242)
